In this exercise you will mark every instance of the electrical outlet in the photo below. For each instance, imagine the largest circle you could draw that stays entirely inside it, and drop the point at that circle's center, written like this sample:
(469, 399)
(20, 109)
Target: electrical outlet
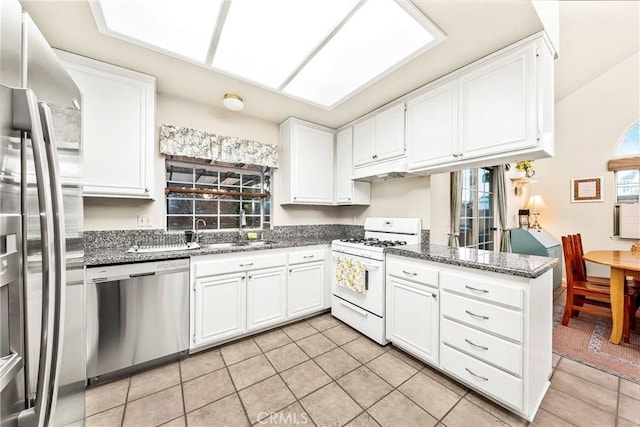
(354, 219)
(144, 220)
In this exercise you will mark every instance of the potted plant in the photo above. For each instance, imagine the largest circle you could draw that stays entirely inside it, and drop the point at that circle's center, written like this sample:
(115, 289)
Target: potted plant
(526, 166)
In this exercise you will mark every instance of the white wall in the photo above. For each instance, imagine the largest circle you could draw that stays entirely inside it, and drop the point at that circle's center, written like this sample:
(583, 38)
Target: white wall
(588, 125)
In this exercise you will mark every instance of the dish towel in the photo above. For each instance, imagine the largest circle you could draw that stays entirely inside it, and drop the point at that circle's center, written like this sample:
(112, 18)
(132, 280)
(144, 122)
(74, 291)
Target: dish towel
(350, 274)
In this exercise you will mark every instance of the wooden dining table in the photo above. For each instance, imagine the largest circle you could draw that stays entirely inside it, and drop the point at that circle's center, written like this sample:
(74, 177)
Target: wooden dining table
(623, 264)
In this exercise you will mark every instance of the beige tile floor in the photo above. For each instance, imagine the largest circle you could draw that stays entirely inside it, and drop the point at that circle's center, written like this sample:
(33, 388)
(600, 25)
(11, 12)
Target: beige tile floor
(321, 372)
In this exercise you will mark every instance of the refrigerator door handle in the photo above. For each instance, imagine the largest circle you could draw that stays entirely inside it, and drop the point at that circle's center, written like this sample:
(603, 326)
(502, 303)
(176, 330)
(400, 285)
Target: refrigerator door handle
(26, 118)
(59, 250)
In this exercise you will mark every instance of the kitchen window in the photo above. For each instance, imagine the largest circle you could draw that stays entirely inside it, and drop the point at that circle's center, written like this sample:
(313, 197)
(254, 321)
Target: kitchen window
(215, 192)
(477, 219)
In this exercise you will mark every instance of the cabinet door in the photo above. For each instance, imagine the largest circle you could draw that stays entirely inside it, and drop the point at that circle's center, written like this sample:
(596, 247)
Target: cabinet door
(390, 133)
(266, 298)
(306, 288)
(312, 165)
(432, 126)
(344, 166)
(412, 318)
(364, 140)
(219, 308)
(118, 119)
(498, 102)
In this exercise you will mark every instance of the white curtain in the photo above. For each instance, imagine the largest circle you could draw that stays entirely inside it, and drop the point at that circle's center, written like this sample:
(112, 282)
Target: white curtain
(501, 195)
(454, 209)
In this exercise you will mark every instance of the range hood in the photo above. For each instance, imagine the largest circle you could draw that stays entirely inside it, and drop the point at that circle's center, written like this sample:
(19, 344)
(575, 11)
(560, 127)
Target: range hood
(382, 171)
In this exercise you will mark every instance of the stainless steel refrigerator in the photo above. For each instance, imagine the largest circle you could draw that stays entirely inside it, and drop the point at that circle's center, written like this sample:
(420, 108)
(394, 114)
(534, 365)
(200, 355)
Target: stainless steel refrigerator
(42, 318)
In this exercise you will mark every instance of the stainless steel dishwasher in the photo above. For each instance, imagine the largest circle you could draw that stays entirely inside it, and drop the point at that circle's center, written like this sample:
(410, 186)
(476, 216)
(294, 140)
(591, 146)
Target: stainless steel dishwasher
(137, 316)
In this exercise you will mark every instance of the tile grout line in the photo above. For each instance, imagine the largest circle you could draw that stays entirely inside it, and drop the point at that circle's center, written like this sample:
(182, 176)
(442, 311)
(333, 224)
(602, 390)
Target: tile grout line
(126, 401)
(226, 367)
(184, 403)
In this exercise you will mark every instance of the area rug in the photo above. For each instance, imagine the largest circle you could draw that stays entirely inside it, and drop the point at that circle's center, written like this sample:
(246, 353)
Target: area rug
(586, 340)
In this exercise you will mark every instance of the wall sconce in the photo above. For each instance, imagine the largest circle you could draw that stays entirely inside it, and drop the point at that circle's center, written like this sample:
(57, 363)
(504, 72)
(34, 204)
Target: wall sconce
(233, 102)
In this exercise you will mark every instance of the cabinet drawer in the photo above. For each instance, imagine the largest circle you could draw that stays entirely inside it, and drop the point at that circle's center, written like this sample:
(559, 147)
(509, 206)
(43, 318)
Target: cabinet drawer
(307, 256)
(412, 270)
(491, 291)
(240, 263)
(485, 378)
(498, 352)
(487, 317)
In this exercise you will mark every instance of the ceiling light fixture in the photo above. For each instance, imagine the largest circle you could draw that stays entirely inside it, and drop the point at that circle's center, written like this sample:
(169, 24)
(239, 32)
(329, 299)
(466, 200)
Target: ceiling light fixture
(233, 102)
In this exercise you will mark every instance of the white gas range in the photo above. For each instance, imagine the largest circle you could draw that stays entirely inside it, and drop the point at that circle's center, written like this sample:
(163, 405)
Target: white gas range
(362, 306)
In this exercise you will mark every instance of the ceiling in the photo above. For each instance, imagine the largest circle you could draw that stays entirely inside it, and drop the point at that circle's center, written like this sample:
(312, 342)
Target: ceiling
(594, 36)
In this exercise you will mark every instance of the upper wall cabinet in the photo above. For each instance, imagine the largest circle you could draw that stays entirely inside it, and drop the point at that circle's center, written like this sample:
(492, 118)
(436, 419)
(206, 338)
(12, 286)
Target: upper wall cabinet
(380, 137)
(496, 110)
(348, 191)
(307, 163)
(118, 128)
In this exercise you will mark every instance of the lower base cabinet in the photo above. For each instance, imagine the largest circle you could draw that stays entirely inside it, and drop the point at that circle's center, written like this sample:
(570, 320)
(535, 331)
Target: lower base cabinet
(238, 294)
(412, 318)
(306, 288)
(494, 329)
(266, 298)
(219, 308)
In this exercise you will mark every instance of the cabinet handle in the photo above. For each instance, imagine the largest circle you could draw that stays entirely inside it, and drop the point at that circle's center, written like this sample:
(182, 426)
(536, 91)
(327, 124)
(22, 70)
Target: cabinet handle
(250, 277)
(373, 157)
(476, 315)
(246, 265)
(291, 270)
(409, 273)
(484, 291)
(476, 375)
(460, 154)
(307, 256)
(146, 189)
(476, 345)
(455, 155)
(434, 295)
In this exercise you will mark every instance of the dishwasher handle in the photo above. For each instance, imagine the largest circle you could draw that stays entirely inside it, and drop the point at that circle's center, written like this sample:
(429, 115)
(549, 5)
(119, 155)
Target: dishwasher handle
(148, 273)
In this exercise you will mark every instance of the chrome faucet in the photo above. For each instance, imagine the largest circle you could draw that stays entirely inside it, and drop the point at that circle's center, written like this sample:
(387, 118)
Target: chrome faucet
(242, 222)
(204, 223)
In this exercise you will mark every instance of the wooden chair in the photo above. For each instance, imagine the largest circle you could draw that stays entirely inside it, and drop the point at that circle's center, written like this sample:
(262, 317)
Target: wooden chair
(585, 295)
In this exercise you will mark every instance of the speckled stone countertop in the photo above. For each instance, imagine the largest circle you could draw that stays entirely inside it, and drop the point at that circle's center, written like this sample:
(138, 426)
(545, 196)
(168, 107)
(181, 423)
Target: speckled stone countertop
(529, 266)
(112, 256)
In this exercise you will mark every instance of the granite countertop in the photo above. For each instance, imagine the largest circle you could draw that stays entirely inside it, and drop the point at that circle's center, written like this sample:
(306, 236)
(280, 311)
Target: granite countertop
(113, 256)
(529, 266)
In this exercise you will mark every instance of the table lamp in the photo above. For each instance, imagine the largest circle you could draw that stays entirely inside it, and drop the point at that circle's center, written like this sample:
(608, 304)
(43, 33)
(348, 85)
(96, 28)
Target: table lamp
(536, 204)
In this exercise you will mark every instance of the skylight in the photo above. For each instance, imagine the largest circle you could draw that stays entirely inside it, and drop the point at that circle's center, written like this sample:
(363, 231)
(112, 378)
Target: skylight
(319, 51)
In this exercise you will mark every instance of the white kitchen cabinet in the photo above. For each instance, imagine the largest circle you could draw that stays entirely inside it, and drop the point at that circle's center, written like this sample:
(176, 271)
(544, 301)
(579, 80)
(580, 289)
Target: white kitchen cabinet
(348, 191)
(307, 282)
(118, 128)
(496, 110)
(379, 137)
(496, 335)
(364, 142)
(412, 309)
(218, 309)
(390, 133)
(237, 294)
(266, 298)
(432, 126)
(499, 100)
(493, 331)
(307, 167)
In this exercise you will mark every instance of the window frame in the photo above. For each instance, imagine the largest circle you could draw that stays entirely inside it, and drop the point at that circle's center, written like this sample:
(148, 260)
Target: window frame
(218, 191)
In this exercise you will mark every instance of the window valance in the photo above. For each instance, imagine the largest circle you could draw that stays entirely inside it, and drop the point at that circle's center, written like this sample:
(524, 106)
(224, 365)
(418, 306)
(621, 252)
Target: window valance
(180, 141)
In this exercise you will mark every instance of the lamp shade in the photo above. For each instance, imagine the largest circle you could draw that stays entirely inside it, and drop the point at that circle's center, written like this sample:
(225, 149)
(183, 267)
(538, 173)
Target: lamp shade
(233, 102)
(536, 202)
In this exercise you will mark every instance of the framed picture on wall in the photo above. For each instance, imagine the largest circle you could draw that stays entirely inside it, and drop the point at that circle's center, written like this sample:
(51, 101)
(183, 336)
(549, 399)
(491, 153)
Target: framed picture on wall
(586, 190)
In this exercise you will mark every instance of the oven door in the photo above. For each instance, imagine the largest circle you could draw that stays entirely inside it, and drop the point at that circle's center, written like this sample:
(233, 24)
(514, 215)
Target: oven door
(372, 299)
